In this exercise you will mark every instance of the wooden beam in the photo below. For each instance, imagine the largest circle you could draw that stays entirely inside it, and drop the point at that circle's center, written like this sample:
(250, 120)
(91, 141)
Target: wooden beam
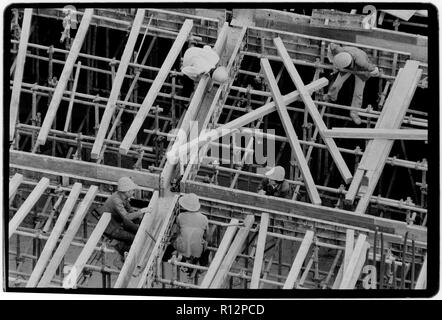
(220, 253)
(259, 253)
(366, 133)
(349, 246)
(290, 131)
(421, 282)
(193, 107)
(84, 169)
(15, 182)
(244, 120)
(117, 83)
(54, 235)
(71, 101)
(377, 150)
(18, 73)
(26, 207)
(71, 279)
(64, 77)
(156, 87)
(353, 270)
(234, 250)
(63, 247)
(313, 111)
(162, 218)
(136, 250)
(303, 209)
(299, 259)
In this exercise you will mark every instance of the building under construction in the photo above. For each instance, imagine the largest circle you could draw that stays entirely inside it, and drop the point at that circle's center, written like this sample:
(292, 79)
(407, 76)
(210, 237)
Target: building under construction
(98, 94)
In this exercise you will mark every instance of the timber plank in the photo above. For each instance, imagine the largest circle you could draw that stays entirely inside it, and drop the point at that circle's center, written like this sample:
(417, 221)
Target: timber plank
(63, 247)
(15, 182)
(156, 87)
(220, 253)
(313, 111)
(117, 83)
(299, 259)
(51, 243)
(260, 247)
(26, 207)
(234, 250)
(65, 75)
(290, 131)
(18, 73)
(71, 279)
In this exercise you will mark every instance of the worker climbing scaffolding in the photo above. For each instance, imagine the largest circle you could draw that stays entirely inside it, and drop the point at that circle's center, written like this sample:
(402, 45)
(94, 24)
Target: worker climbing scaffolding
(355, 59)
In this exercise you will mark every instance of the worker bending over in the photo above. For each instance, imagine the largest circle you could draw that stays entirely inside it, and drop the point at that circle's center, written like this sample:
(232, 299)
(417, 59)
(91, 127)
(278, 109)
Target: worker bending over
(121, 227)
(274, 184)
(191, 233)
(354, 59)
(200, 61)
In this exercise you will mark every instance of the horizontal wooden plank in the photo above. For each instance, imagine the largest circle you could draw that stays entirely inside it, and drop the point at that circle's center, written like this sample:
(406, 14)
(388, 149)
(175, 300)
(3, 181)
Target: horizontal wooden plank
(82, 168)
(367, 133)
(304, 209)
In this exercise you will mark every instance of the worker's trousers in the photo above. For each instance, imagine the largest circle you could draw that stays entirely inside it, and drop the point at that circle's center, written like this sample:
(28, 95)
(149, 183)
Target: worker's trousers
(358, 92)
(125, 239)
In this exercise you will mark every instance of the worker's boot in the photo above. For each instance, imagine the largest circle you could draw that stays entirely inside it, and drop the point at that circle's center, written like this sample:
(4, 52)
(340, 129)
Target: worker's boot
(355, 117)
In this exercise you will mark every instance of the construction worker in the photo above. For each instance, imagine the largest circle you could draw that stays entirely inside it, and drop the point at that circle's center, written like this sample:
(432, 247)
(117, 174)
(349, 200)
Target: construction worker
(274, 183)
(191, 233)
(354, 59)
(199, 61)
(121, 227)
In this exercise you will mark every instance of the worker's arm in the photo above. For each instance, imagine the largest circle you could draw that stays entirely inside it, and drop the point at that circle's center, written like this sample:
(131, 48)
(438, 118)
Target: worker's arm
(361, 59)
(262, 186)
(121, 214)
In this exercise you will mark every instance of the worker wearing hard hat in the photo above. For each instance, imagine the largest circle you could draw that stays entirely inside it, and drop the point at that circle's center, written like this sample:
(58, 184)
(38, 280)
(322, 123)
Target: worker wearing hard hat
(121, 227)
(200, 61)
(353, 59)
(275, 184)
(191, 232)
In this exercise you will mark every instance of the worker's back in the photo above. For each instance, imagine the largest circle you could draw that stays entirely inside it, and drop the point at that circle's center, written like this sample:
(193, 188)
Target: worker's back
(198, 61)
(192, 227)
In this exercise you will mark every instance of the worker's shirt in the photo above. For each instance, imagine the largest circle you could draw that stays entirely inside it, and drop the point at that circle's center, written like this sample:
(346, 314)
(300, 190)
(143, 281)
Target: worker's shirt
(192, 229)
(361, 62)
(198, 61)
(118, 205)
(282, 190)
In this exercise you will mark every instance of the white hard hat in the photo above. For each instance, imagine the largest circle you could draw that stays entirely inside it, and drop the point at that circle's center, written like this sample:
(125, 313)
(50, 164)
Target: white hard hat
(190, 202)
(276, 173)
(220, 74)
(126, 184)
(342, 60)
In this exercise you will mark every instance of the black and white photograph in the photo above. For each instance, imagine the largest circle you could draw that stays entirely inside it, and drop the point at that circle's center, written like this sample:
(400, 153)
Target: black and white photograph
(165, 148)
